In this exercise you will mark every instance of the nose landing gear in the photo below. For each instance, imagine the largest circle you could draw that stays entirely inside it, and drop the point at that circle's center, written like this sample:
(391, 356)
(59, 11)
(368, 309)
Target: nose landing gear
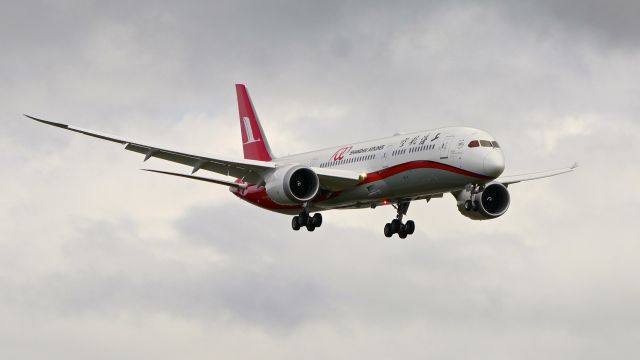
(396, 226)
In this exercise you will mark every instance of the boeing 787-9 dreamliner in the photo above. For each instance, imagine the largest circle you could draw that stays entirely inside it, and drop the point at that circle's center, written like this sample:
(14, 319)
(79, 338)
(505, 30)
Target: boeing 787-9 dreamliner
(396, 170)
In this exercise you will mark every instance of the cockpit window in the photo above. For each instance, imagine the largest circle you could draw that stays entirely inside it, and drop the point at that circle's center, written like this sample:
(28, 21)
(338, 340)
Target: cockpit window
(485, 143)
(474, 143)
(495, 144)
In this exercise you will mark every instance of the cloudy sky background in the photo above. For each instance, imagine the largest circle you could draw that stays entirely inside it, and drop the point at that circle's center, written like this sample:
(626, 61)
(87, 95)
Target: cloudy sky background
(99, 260)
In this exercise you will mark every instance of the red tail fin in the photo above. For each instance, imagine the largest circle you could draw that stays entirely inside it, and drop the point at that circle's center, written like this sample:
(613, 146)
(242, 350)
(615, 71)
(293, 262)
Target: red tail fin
(254, 142)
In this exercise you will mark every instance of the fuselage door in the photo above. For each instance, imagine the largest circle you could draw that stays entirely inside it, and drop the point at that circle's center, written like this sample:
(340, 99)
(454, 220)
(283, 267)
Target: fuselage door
(444, 148)
(457, 151)
(386, 156)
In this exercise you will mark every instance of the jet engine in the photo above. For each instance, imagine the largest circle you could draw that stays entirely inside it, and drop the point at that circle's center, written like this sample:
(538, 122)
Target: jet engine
(488, 202)
(292, 185)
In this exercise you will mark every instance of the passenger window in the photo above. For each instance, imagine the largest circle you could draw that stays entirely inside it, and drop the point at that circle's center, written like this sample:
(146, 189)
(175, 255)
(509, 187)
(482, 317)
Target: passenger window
(474, 143)
(495, 144)
(485, 143)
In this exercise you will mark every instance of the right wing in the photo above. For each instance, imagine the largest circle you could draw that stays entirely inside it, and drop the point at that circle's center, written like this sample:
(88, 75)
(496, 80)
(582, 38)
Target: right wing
(512, 179)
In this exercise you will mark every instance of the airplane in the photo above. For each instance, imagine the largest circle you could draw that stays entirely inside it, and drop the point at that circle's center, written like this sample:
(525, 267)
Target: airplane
(396, 170)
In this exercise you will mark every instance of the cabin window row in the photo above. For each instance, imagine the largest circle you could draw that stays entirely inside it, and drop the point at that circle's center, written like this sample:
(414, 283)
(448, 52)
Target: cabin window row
(413, 149)
(348, 161)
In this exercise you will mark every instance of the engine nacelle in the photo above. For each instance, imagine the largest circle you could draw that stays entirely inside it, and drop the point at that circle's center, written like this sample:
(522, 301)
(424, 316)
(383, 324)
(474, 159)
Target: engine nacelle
(291, 185)
(492, 202)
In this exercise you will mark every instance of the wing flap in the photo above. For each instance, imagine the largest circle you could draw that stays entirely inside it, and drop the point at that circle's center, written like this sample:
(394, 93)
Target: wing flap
(201, 178)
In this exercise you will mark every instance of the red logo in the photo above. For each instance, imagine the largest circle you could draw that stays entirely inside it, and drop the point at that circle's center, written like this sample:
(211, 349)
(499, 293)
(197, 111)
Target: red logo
(339, 155)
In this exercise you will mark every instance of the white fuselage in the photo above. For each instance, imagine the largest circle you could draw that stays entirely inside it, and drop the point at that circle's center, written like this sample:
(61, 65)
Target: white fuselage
(408, 165)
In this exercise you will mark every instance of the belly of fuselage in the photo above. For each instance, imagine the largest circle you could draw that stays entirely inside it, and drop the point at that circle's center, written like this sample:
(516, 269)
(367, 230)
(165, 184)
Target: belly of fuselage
(408, 184)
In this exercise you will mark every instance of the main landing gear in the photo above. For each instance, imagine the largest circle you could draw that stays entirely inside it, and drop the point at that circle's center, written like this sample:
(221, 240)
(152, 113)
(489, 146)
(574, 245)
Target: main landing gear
(396, 226)
(473, 190)
(305, 220)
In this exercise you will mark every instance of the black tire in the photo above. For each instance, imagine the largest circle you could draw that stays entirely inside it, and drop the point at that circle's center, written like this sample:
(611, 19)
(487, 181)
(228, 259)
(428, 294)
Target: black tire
(396, 225)
(402, 234)
(294, 223)
(317, 219)
(410, 227)
(476, 206)
(387, 230)
(467, 205)
(303, 219)
(310, 227)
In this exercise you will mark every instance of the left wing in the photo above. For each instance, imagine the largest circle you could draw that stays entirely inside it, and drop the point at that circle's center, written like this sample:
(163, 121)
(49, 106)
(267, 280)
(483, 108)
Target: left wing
(234, 184)
(337, 179)
(251, 171)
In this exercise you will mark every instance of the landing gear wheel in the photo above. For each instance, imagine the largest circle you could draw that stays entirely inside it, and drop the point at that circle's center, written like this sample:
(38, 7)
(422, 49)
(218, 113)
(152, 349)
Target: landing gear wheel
(317, 219)
(402, 234)
(410, 227)
(295, 223)
(467, 205)
(395, 226)
(303, 219)
(310, 226)
(476, 206)
(387, 230)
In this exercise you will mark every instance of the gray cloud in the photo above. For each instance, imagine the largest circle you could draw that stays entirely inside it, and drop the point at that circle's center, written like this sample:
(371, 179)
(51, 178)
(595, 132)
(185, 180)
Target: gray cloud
(95, 255)
(608, 23)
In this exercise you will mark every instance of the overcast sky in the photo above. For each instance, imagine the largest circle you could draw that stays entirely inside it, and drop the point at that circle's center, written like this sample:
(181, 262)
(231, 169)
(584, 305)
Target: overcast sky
(99, 260)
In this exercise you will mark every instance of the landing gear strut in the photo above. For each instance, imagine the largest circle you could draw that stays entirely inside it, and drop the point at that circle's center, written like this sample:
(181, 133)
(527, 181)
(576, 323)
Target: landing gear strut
(396, 226)
(305, 220)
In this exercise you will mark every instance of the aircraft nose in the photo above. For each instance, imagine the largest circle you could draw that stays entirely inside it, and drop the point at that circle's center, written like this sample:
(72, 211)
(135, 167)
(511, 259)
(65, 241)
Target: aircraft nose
(494, 163)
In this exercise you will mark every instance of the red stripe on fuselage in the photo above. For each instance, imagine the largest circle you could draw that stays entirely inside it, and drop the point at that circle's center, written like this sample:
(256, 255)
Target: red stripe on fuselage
(420, 164)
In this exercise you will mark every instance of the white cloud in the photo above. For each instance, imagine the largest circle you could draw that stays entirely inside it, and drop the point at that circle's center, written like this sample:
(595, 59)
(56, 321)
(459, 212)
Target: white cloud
(558, 130)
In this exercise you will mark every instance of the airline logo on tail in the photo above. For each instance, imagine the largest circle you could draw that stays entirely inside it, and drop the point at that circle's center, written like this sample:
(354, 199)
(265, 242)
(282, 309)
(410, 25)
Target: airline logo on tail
(248, 130)
(254, 141)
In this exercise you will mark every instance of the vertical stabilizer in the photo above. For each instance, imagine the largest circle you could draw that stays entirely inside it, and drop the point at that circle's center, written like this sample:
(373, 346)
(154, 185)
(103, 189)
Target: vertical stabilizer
(254, 141)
